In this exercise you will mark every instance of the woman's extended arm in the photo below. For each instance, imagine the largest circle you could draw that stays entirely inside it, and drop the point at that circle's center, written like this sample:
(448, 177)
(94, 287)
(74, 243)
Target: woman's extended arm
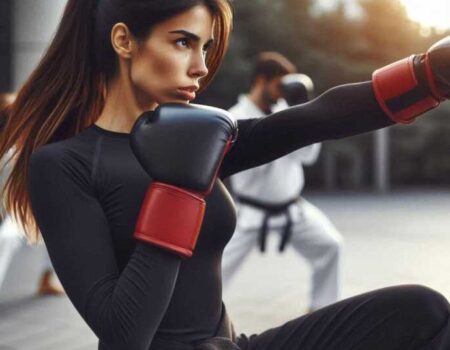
(123, 309)
(340, 112)
(398, 92)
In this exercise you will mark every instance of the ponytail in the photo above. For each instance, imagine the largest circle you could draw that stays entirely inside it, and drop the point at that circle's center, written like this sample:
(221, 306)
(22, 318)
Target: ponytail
(63, 95)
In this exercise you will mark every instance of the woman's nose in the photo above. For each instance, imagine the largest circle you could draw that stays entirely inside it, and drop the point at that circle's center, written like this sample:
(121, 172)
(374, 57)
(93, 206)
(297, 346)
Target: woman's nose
(199, 68)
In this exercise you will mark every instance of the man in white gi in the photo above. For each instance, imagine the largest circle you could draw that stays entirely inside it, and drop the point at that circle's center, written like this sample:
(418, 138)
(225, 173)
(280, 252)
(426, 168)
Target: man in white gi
(268, 196)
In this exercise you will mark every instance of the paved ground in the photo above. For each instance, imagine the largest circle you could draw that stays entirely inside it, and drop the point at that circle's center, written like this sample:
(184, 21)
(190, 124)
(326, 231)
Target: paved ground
(393, 239)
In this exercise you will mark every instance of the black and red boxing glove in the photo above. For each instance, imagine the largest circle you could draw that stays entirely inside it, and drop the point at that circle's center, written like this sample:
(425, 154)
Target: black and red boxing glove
(181, 147)
(409, 87)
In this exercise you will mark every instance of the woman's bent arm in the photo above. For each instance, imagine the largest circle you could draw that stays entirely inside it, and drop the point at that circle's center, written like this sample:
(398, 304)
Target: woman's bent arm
(123, 309)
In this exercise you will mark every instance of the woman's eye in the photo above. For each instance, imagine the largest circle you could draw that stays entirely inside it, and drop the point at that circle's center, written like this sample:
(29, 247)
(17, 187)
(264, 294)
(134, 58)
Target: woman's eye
(206, 48)
(183, 42)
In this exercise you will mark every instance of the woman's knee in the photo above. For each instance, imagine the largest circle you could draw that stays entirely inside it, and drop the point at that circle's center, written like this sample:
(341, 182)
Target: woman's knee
(421, 305)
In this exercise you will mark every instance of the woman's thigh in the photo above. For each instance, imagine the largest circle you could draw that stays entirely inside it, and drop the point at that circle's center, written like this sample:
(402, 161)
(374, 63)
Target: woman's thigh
(404, 317)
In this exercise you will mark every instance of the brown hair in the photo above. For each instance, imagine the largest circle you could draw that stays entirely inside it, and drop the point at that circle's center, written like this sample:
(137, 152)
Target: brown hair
(6, 100)
(66, 91)
(272, 65)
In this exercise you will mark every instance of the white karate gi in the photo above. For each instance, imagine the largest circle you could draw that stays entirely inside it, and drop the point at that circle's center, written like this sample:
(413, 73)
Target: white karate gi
(313, 236)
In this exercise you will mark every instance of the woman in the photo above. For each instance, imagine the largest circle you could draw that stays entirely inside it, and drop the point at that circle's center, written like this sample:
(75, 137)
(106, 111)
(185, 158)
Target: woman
(110, 61)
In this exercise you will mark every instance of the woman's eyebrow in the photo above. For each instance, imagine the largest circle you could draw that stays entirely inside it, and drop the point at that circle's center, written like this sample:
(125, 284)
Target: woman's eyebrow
(190, 35)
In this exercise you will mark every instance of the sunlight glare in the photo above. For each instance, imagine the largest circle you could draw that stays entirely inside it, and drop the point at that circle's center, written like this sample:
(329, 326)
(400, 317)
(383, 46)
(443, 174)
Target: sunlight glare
(430, 13)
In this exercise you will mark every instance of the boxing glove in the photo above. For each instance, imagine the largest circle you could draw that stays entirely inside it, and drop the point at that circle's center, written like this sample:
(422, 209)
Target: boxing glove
(297, 88)
(181, 147)
(409, 87)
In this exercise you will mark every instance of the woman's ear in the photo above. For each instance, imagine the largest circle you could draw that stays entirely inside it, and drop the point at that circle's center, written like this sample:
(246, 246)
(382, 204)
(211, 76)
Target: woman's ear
(122, 40)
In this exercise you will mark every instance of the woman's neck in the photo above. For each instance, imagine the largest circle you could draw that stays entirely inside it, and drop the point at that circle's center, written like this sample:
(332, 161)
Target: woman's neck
(122, 107)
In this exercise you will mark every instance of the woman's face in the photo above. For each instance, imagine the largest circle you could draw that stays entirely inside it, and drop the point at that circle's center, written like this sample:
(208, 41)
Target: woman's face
(169, 64)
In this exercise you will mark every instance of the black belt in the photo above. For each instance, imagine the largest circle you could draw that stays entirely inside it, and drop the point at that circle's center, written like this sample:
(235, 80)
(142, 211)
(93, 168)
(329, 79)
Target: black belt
(270, 211)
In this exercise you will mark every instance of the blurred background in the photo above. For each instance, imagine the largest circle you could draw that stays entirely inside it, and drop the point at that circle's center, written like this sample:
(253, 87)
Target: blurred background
(388, 192)
(337, 42)
(332, 41)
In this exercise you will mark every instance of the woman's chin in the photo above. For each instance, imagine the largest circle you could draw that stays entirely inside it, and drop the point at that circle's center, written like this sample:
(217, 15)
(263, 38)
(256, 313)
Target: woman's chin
(177, 100)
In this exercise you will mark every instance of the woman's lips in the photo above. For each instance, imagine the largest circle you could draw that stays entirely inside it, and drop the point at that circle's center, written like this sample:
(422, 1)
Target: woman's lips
(186, 94)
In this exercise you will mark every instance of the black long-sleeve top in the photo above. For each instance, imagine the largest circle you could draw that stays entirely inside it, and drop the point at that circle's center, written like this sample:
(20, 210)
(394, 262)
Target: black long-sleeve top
(86, 193)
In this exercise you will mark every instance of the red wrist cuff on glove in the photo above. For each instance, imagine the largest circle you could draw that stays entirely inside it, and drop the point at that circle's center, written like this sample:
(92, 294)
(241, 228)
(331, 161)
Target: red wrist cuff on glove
(399, 93)
(171, 218)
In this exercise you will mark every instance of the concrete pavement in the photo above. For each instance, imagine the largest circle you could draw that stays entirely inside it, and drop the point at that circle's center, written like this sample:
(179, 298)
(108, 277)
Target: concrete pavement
(393, 239)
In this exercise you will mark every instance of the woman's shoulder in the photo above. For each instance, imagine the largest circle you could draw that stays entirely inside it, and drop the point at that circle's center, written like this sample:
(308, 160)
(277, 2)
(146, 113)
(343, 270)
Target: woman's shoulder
(61, 149)
(72, 155)
(51, 153)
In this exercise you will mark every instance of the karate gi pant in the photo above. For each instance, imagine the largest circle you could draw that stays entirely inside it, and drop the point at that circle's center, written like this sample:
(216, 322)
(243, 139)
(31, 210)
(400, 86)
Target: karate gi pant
(314, 237)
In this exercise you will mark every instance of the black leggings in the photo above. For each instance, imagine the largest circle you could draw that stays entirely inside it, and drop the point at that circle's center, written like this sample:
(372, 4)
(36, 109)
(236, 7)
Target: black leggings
(400, 318)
